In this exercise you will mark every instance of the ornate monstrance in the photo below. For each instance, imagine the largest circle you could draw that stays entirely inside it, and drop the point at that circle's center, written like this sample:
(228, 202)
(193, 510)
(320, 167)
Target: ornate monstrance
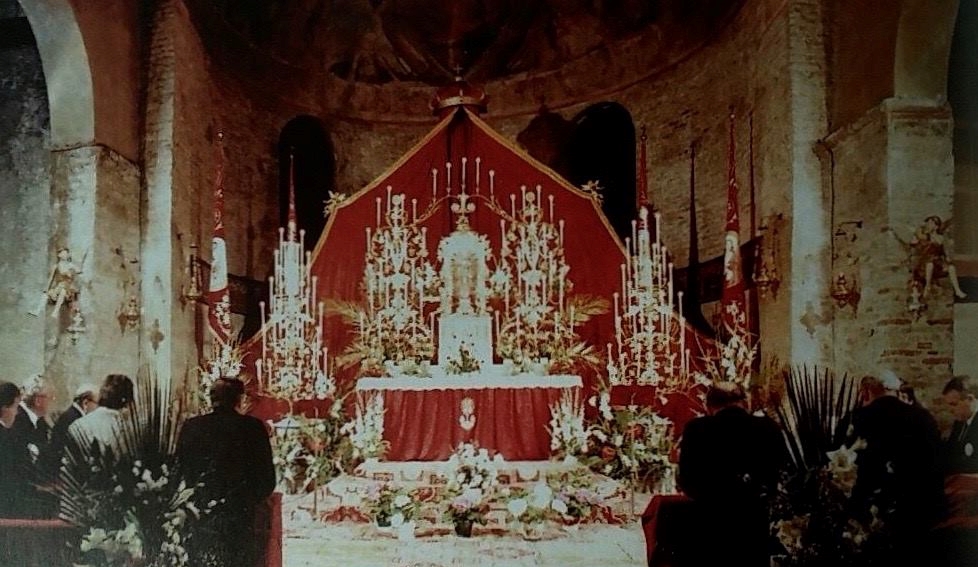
(464, 321)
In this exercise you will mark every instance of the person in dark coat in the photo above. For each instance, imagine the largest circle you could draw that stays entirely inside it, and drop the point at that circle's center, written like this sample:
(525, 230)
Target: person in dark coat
(231, 455)
(13, 461)
(961, 446)
(899, 467)
(729, 462)
(33, 433)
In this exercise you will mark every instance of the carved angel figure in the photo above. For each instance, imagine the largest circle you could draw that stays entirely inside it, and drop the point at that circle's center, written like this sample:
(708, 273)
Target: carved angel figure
(61, 286)
(930, 258)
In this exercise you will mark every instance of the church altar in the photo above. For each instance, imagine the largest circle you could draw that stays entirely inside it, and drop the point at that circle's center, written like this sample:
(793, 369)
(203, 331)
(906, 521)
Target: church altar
(426, 419)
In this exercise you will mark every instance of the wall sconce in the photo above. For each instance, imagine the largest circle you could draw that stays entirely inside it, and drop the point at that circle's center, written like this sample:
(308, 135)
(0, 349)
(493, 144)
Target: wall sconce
(77, 326)
(845, 291)
(766, 276)
(129, 314)
(192, 291)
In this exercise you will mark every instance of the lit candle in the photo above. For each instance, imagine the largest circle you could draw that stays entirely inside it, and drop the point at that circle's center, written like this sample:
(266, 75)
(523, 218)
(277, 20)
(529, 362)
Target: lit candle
(434, 183)
(448, 175)
(414, 210)
(378, 211)
(551, 198)
(492, 184)
(389, 189)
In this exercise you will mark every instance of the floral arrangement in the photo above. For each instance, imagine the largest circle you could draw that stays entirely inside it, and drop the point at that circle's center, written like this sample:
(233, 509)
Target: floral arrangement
(472, 479)
(470, 506)
(733, 360)
(630, 443)
(812, 512)
(308, 452)
(471, 468)
(536, 505)
(568, 435)
(813, 517)
(464, 364)
(575, 489)
(366, 430)
(389, 504)
(129, 503)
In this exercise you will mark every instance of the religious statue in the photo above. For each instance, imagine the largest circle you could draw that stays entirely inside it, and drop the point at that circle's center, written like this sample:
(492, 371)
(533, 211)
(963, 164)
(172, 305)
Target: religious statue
(61, 286)
(930, 258)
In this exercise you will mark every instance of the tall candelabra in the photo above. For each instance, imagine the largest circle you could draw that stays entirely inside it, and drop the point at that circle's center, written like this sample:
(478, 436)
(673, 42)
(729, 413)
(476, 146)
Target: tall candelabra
(650, 340)
(399, 282)
(294, 362)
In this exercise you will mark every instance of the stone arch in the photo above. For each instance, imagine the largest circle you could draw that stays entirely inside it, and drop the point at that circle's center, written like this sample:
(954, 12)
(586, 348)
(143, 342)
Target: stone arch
(66, 71)
(923, 48)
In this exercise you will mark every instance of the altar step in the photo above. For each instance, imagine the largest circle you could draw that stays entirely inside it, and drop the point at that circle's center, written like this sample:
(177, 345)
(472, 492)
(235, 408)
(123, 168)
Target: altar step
(433, 472)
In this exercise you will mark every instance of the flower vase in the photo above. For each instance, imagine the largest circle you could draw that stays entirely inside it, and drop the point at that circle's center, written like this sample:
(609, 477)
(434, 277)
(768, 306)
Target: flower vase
(532, 531)
(463, 527)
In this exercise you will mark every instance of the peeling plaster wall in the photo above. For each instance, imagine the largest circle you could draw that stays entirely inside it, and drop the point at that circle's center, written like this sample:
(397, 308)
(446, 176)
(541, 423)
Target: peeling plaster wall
(25, 210)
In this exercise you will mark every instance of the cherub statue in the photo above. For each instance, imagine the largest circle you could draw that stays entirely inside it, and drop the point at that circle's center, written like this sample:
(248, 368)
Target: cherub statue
(930, 258)
(61, 286)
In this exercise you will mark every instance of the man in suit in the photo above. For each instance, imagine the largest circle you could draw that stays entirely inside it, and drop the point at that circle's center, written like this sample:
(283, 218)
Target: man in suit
(84, 401)
(231, 455)
(100, 429)
(32, 432)
(961, 446)
(899, 468)
(729, 461)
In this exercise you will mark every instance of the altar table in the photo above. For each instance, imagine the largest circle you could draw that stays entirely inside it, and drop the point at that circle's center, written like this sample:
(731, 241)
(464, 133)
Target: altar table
(425, 419)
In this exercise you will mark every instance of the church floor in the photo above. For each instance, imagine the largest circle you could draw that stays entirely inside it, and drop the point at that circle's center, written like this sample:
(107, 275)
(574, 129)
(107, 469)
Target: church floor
(347, 544)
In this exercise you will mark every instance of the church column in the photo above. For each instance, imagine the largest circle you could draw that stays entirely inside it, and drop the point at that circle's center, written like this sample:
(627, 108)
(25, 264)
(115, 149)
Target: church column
(807, 212)
(164, 268)
(96, 216)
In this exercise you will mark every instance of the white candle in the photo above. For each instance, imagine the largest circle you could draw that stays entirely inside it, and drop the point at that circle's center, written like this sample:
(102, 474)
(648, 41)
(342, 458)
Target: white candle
(389, 189)
(434, 183)
(492, 183)
(414, 210)
(378, 211)
(448, 176)
(512, 204)
(464, 160)
(560, 238)
(478, 160)
(551, 198)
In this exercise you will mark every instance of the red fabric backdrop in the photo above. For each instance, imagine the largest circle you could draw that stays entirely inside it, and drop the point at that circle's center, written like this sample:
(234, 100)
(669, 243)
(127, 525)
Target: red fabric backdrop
(591, 248)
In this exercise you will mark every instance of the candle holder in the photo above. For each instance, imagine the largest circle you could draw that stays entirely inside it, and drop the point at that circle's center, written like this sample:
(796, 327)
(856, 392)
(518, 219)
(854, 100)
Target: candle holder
(294, 362)
(192, 291)
(650, 339)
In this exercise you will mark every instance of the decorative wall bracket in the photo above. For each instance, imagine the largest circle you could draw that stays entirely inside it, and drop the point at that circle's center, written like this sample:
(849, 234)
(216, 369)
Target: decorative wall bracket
(767, 279)
(845, 291)
(192, 291)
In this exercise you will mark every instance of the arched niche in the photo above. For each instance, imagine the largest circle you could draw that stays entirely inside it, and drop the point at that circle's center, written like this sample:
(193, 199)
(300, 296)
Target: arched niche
(306, 140)
(602, 149)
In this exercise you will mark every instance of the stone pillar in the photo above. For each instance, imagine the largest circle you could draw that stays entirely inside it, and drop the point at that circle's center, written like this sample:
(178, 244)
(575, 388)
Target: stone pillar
(809, 240)
(888, 172)
(95, 215)
(168, 345)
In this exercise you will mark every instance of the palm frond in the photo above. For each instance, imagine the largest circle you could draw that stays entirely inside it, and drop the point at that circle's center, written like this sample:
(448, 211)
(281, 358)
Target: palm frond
(815, 413)
(587, 306)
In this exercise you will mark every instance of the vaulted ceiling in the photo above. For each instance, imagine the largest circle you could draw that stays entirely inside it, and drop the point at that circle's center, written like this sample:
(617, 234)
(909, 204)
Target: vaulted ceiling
(429, 41)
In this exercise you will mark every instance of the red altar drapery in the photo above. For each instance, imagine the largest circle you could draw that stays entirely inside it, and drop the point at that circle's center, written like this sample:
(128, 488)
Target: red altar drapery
(591, 248)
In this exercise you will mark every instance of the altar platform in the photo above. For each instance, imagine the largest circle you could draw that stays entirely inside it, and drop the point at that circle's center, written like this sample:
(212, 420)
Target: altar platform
(425, 419)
